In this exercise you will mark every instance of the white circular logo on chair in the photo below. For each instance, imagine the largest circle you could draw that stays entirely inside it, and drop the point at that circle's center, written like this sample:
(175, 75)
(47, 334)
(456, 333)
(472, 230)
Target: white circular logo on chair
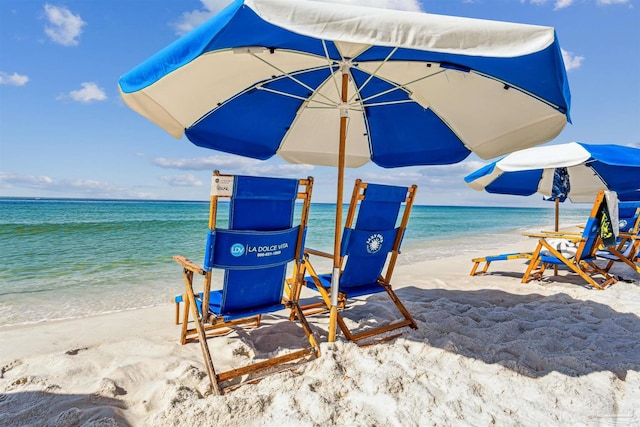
(237, 249)
(374, 243)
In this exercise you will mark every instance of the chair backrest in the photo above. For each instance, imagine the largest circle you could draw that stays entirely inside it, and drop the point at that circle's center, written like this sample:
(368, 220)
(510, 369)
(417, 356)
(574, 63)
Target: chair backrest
(591, 236)
(629, 214)
(375, 234)
(260, 240)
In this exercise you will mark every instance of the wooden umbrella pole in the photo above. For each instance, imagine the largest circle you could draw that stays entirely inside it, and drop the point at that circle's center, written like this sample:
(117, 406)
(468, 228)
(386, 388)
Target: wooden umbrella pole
(335, 276)
(555, 267)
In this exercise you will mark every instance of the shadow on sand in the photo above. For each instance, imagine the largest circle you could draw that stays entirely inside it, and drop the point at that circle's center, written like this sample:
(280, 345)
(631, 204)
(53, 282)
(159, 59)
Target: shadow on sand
(40, 408)
(531, 334)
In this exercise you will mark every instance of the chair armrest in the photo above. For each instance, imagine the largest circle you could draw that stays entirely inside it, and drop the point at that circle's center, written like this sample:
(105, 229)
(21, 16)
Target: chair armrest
(629, 236)
(564, 236)
(555, 233)
(310, 251)
(188, 265)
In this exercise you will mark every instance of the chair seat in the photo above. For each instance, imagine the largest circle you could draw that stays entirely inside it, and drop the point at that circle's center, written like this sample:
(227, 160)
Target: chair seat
(215, 299)
(504, 257)
(550, 259)
(351, 291)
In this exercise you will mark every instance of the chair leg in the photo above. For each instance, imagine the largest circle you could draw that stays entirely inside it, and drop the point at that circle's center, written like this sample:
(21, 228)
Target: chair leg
(533, 264)
(623, 259)
(400, 306)
(185, 321)
(474, 268)
(307, 328)
(476, 265)
(206, 355)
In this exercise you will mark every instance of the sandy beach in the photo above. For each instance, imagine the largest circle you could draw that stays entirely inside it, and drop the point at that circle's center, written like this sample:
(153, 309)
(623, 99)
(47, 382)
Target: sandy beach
(488, 351)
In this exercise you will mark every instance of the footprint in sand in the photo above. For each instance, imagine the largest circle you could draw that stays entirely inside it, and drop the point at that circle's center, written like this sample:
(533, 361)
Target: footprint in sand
(75, 351)
(108, 387)
(9, 366)
(69, 417)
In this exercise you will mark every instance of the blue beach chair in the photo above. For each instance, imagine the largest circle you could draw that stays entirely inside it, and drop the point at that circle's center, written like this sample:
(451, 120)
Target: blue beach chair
(628, 214)
(253, 253)
(628, 247)
(366, 247)
(629, 221)
(583, 263)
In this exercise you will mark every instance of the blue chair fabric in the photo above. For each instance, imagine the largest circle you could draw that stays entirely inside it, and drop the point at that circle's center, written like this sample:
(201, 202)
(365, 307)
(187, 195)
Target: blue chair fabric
(253, 253)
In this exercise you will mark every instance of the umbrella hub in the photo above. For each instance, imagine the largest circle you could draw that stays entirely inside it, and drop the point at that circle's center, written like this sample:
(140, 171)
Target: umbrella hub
(344, 109)
(345, 65)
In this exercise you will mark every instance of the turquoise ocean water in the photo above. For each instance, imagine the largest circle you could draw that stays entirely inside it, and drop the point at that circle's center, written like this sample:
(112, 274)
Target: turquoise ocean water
(73, 258)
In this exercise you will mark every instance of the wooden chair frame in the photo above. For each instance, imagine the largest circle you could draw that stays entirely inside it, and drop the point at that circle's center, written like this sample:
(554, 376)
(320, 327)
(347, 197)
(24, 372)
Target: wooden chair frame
(208, 325)
(624, 253)
(384, 280)
(583, 264)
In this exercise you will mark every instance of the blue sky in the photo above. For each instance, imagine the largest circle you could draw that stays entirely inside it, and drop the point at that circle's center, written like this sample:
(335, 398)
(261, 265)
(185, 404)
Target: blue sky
(64, 131)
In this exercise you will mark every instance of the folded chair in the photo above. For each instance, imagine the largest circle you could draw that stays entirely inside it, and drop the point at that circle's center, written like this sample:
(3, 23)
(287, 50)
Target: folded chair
(366, 247)
(583, 263)
(252, 253)
(487, 260)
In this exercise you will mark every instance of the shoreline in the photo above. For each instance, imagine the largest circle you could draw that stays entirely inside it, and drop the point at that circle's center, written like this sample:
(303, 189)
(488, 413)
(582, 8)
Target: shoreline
(488, 349)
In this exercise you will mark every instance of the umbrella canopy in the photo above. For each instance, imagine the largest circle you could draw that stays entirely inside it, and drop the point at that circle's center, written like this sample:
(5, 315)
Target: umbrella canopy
(574, 170)
(264, 77)
(341, 85)
(588, 168)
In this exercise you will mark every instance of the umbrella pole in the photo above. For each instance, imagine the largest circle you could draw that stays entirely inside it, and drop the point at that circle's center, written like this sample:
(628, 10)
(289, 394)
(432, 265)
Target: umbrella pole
(555, 267)
(335, 276)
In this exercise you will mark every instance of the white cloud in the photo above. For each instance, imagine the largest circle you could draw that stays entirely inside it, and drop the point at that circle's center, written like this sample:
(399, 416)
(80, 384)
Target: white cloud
(561, 4)
(14, 79)
(70, 187)
(287, 170)
(87, 185)
(442, 177)
(458, 169)
(608, 2)
(571, 61)
(7, 180)
(64, 27)
(189, 20)
(90, 92)
(186, 180)
(233, 164)
(207, 163)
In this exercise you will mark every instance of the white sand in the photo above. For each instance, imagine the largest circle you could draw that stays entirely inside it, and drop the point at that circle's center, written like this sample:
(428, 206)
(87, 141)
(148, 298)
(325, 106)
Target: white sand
(488, 351)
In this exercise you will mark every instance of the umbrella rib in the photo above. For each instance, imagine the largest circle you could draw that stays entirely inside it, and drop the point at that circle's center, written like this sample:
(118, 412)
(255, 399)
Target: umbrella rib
(301, 98)
(374, 73)
(330, 64)
(290, 76)
(379, 104)
(399, 86)
(507, 84)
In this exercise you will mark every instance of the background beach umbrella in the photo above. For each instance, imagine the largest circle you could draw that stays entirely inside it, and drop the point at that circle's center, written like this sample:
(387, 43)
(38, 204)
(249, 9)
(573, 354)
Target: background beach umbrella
(340, 85)
(574, 170)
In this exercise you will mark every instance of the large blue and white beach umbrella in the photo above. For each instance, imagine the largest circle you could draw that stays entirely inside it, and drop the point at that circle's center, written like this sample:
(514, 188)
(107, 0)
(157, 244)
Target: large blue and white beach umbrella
(331, 84)
(589, 168)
